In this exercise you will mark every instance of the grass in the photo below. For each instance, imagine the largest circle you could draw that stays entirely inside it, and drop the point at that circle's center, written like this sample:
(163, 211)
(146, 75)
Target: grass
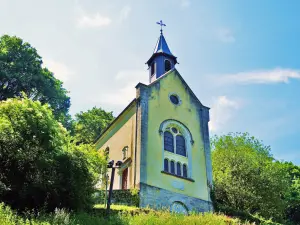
(117, 207)
(122, 217)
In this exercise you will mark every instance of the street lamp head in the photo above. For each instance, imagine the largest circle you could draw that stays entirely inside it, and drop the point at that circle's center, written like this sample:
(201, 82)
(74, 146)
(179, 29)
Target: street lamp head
(110, 164)
(119, 163)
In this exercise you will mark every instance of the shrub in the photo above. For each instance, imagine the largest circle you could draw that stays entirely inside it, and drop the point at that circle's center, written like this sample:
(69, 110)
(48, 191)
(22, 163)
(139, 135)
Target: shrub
(39, 166)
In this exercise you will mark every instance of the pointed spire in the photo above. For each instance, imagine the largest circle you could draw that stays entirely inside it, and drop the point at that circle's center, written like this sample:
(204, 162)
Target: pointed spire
(162, 60)
(162, 46)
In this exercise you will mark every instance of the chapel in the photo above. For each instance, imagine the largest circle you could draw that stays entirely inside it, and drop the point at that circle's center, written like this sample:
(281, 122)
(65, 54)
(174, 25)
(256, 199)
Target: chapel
(162, 139)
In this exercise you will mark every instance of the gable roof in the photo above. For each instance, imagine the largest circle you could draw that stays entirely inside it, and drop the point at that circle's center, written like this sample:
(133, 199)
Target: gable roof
(183, 81)
(115, 120)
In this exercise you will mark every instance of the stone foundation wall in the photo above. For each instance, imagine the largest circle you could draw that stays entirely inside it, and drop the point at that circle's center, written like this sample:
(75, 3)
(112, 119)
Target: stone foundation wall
(158, 198)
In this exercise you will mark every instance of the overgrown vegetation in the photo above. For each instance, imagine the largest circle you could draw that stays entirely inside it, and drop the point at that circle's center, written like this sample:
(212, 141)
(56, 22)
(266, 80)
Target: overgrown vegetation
(39, 166)
(8, 217)
(249, 181)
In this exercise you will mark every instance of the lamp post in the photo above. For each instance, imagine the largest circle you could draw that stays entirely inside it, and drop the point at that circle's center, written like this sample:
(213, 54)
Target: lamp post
(113, 168)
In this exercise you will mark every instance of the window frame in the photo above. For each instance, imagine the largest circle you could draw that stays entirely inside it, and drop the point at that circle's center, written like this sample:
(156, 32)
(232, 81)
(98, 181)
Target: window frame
(184, 160)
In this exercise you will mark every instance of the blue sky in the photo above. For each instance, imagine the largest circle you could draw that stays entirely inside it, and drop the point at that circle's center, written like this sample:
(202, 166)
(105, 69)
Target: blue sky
(241, 58)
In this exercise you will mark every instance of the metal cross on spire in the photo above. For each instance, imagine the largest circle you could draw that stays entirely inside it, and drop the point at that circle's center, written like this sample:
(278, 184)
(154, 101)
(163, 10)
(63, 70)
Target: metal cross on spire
(161, 25)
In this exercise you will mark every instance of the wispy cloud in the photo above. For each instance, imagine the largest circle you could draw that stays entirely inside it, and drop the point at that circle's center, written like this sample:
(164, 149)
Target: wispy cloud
(60, 70)
(260, 77)
(96, 20)
(185, 3)
(126, 80)
(225, 35)
(222, 111)
(125, 11)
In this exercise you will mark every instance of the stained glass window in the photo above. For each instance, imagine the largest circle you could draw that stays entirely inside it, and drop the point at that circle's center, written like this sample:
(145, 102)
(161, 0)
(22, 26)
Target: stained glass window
(168, 141)
(166, 165)
(172, 167)
(184, 168)
(178, 168)
(180, 145)
(174, 130)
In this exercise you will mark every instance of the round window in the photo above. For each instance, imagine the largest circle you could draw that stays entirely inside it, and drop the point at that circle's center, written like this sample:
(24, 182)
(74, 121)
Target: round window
(174, 99)
(174, 130)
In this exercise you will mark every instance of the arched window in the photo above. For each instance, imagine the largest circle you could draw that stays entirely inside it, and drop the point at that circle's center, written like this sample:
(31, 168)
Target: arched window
(166, 165)
(177, 144)
(168, 141)
(180, 145)
(172, 167)
(184, 168)
(152, 68)
(167, 65)
(178, 169)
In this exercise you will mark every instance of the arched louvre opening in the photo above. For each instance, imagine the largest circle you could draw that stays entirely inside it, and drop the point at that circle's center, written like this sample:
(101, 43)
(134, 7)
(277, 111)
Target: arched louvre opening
(178, 169)
(152, 68)
(180, 145)
(167, 65)
(172, 167)
(168, 141)
(166, 165)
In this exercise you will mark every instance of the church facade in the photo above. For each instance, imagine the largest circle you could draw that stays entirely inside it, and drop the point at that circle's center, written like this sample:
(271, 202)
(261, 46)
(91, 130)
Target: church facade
(162, 138)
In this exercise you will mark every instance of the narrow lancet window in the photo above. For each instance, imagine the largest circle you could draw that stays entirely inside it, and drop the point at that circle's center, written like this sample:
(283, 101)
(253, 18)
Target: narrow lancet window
(178, 169)
(168, 141)
(184, 168)
(172, 167)
(180, 145)
(166, 165)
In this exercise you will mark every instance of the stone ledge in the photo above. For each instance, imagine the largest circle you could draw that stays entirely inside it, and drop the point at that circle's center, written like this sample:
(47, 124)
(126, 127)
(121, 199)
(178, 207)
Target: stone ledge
(172, 174)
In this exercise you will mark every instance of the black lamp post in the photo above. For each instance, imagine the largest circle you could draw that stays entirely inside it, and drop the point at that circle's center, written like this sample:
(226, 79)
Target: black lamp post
(113, 168)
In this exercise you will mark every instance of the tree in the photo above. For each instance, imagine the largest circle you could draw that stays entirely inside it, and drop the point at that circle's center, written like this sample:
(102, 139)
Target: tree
(246, 177)
(21, 71)
(39, 166)
(293, 194)
(89, 125)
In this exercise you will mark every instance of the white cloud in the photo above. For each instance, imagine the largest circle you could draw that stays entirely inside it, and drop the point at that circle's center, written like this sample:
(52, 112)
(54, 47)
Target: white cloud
(60, 70)
(125, 11)
(127, 80)
(185, 3)
(96, 20)
(222, 111)
(225, 35)
(261, 77)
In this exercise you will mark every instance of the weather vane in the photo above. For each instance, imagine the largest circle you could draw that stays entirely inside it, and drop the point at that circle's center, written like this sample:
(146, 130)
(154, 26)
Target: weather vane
(161, 25)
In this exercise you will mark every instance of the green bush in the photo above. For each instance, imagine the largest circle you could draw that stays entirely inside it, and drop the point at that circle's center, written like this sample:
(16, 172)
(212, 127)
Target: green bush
(126, 197)
(39, 166)
(247, 178)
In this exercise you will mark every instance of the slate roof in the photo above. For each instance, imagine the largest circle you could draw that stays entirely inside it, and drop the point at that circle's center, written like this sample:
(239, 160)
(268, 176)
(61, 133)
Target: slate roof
(161, 48)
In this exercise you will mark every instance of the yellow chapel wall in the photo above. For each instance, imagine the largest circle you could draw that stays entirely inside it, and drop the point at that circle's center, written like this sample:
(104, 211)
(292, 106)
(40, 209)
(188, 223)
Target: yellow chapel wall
(160, 109)
(121, 134)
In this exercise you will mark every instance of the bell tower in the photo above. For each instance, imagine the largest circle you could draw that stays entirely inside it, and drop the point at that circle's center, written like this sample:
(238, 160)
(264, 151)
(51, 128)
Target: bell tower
(162, 60)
